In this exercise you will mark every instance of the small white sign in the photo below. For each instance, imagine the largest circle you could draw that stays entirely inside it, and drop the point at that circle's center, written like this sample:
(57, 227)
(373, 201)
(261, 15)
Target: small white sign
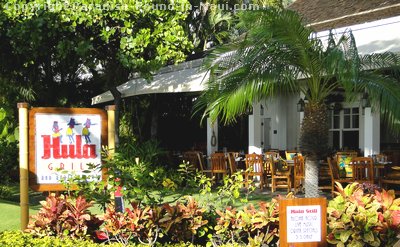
(303, 224)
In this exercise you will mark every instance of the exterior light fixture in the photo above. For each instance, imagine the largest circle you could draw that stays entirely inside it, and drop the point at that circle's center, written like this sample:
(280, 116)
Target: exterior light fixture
(300, 105)
(337, 106)
(365, 101)
(261, 110)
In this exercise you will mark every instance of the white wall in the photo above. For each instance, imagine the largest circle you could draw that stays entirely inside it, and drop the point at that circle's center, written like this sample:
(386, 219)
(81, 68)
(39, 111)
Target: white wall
(285, 123)
(293, 123)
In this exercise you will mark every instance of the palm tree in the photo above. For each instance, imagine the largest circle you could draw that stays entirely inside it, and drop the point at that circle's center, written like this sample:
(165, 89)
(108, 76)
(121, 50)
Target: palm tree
(280, 55)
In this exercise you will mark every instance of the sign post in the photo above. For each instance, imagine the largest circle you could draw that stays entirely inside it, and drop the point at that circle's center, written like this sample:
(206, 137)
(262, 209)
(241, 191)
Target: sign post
(23, 163)
(302, 222)
(117, 196)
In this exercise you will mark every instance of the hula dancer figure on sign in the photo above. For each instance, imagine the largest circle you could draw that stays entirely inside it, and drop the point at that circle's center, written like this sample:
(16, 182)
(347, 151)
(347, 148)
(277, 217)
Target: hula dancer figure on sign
(70, 130)
(86, 132)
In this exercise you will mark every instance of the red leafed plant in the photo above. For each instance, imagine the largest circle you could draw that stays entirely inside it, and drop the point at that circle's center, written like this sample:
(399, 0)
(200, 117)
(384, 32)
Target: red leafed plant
(180, 222)
(138, 223)
(61, 216)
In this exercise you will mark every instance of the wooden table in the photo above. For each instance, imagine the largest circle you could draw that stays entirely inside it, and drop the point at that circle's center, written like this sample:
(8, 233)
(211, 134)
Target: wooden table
(380, 170)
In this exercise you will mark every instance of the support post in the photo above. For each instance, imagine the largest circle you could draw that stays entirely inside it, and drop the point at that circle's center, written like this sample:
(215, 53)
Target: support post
(255, 138)
(111, 128)
(212, 136)
(371, 132)
(111, 146)
(23, 163)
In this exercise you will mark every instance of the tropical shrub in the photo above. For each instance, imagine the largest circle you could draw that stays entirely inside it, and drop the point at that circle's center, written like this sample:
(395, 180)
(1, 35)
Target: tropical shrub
(64, 217)
(183, 221)
(251, 225)
(230, 189)
(8, 147)
(136, 223)
(20, 239)
(140, 177)
(359, 219)
(148, 152)
(6, 192)
(148, 224)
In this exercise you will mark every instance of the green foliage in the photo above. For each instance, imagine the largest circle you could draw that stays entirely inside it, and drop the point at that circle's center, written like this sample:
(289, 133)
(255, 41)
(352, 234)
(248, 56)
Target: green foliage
(187, 175)
(358, 219)
(20, 239)
(62, 217)
(230, 189)
(8, 147)
(250, 225)
(5, 192)
(204, 183)
(6, 126)
(148, 224)
(148, 152)
(8, 162)
(46, 46)
(139, 178)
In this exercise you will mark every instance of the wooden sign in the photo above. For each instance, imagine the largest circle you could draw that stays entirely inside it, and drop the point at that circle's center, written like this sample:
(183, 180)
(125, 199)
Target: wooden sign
(302, 222)
(62, 142)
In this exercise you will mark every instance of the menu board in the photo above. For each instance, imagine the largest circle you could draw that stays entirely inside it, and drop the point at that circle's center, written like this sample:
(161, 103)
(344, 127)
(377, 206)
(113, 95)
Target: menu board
(302, 222)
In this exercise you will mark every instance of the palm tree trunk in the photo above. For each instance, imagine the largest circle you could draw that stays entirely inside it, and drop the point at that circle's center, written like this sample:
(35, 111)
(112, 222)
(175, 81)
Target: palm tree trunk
(311, 178)
(314, 143)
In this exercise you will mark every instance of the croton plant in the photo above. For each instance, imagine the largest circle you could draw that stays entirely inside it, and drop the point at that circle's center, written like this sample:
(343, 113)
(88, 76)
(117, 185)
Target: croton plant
(356, 218)
(147, 224)
(62, 216)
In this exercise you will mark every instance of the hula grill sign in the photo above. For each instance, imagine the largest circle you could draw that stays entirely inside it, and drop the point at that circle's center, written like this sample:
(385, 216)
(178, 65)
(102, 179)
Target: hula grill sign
(63, 143)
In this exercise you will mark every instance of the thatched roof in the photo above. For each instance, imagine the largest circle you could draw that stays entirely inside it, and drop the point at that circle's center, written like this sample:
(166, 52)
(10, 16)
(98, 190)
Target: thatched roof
(327, 14)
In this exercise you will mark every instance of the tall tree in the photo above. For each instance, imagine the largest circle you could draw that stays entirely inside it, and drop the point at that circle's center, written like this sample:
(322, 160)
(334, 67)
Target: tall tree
(278, 49)
(106, 41)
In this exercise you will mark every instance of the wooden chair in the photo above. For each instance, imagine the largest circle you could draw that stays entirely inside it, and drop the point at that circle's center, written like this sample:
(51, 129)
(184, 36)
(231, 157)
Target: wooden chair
(254, 167)
(363, 170)
(195, 159)
(218, 165)
(232, 162)
(298, 173)
(381, 167)
(343, 160)
(280, 178)
(324, 176)
(232, 165)
(269, 158)
(290, 154)
(335, 175)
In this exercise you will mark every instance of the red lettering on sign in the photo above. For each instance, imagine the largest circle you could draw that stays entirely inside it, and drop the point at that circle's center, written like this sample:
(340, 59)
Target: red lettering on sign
(52, 145)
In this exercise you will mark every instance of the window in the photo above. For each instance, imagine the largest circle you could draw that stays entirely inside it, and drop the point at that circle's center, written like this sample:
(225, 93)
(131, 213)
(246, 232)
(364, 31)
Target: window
(344, 132)
(350, 118)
